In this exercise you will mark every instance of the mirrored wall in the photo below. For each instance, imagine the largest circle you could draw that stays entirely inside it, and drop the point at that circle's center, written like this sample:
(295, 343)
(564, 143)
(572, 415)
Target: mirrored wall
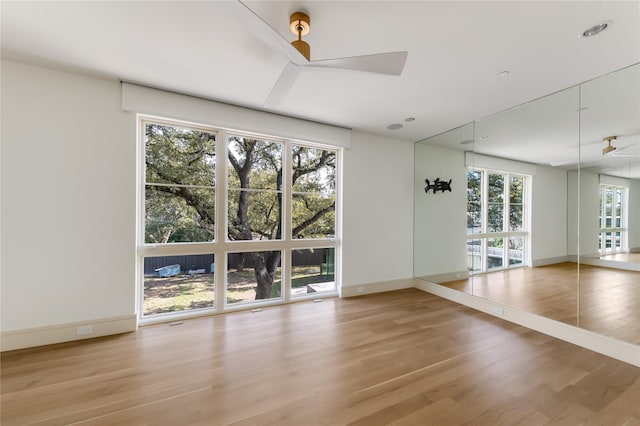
(538, 207)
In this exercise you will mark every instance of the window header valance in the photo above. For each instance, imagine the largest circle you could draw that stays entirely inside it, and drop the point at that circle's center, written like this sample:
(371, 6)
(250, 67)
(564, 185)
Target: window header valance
(613, 180)
(146, 100)
(495, 163)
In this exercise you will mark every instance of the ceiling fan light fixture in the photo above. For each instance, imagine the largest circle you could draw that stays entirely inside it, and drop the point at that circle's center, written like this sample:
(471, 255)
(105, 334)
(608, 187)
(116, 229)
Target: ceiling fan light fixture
(299, 23)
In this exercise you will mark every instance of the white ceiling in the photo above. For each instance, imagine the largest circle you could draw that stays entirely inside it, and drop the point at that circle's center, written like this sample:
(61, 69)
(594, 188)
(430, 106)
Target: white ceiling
(455, 52)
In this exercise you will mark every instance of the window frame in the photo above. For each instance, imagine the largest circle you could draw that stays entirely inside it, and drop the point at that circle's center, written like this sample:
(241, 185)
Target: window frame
(484, 236)
(603, 229)
(221, 245)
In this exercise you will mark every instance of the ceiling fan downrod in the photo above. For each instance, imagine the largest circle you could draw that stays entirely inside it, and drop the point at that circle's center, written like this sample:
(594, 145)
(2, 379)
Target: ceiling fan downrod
(300, 24)
(608, 149)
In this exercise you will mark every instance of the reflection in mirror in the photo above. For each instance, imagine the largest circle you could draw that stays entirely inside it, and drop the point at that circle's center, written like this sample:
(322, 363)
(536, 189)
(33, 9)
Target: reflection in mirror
(610, 205)
(541, 230)
(523, 156)
(611, 118)
(439, 218)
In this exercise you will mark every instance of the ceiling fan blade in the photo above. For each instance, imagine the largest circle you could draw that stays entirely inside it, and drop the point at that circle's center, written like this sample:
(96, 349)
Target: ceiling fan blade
(272, 38)
(391, 63)
(283, 85)
(619, 150)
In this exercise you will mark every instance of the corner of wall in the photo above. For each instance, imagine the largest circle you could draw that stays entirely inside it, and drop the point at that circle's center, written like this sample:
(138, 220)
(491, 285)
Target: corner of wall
(376, 287)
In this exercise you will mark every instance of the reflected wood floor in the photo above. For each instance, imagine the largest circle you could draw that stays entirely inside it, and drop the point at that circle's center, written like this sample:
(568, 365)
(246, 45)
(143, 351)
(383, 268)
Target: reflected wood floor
(608, 298)
(623, 257)
(401, 358)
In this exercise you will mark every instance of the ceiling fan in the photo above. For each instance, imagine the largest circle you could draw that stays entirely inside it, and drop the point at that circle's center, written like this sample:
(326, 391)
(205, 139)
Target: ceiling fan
(298, 53)
(616, 151)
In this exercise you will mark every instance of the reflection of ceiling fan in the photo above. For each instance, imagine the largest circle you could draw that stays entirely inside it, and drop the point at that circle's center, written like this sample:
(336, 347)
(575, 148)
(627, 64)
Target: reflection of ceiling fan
(298, 54)
(609, 149)
(616, 151)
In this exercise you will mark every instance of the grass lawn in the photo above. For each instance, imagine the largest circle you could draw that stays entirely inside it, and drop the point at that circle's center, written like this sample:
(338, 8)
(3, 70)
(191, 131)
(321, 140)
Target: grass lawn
(186, 292)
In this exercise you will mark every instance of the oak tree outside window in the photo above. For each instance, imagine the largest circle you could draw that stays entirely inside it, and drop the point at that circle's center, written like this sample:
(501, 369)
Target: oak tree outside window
(232, 219)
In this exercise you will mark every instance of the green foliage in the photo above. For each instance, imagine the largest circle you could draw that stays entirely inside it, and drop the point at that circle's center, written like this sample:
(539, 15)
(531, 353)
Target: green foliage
(179, 156)
(516, 203)
(170, 219)
(180, 194)
(474, 201)
(180, 174)
(306, 208)
(495, 202)
(256, 164)
(262, 214)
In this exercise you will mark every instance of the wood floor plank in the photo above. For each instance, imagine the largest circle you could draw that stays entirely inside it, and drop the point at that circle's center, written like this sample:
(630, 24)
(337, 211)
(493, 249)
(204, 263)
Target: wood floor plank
(607, 301)
(404, 358)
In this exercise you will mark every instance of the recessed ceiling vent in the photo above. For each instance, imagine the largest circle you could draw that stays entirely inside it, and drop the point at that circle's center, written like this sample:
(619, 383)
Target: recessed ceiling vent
(596, 29)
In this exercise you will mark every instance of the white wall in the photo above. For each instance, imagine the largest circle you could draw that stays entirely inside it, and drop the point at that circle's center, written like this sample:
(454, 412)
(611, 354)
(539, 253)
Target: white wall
(378, 210)
(440, 219)
(589, 207)
(68, 199)
(549, 214)
(634, 215)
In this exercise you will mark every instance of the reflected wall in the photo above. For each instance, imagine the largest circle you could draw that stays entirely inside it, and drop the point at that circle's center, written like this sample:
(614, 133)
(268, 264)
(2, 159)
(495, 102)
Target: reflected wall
(556, 144)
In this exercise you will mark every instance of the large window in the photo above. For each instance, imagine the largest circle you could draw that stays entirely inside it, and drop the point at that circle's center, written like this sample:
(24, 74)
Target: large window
(497, 225)
(233, 220)
(612, 237)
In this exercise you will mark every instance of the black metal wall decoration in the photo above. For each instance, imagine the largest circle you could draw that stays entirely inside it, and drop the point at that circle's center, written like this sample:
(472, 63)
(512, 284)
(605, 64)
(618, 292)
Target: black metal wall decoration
(437, 185)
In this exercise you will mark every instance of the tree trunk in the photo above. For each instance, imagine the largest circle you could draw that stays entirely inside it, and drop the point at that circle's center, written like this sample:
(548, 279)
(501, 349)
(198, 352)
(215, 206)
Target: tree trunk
(240, 264)
(266, 264)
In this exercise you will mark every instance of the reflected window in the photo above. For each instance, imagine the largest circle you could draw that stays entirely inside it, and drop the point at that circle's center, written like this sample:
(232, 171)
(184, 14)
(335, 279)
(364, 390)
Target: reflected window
(474, 202)
(496, 218)
(612, 237)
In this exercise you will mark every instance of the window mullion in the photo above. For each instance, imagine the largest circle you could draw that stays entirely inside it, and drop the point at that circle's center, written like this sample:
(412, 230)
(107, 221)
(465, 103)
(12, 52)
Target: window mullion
(218, 248)
(287, 188)
(220, 255)
(507, 219)
(485, 219)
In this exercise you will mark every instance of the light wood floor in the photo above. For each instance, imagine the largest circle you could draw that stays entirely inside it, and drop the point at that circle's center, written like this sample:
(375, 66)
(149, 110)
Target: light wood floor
(623, 257)
(608, 298)
(401, 358)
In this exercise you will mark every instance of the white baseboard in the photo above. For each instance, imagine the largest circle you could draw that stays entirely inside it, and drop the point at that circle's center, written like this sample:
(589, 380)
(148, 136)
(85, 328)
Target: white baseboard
(47, 335)
(616, 264)
(377, 287)
(551, 261)
(605, 345)
(449, 276)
